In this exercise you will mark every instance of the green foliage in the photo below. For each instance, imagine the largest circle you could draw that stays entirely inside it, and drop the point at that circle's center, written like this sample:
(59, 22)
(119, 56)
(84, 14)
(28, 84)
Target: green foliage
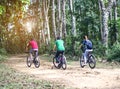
(42, 48)
(114, 53)
(3, 58)
(72, 45)
(3, 51)
(25, 1)
(46, 48)
(99, 49)
(3, 54)
(2, 9)
(50, 46)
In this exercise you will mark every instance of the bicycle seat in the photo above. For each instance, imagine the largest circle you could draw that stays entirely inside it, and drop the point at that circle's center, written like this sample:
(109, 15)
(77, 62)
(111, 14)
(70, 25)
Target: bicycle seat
(90, 51)
(60, 54)
(34, 52)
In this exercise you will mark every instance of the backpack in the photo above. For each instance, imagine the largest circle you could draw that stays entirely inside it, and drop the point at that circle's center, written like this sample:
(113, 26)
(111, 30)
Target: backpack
(89, 44)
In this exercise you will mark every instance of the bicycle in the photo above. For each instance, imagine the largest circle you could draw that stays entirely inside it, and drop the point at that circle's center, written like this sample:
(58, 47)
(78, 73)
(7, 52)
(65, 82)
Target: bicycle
(60, 62)
(90, 60)
(33, 58)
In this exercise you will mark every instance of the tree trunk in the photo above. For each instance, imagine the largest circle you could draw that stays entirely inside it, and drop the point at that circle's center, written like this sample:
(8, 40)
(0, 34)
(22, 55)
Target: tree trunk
(46, 20)
(105, 15)
(115, 21)
(53, 19)
(73, 21)
(59, 22)
(63, 18)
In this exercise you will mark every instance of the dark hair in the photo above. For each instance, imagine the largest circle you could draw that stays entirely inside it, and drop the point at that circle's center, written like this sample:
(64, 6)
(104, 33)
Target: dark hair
(58, 38)
(31, 38)
(85, 36)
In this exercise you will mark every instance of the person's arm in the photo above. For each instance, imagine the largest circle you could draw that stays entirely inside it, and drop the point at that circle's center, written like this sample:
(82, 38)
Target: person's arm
(80, 45)
(27, 47)
(54, 47)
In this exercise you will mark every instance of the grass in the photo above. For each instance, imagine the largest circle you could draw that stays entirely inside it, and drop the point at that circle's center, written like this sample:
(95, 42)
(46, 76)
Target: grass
(3, 58)
(11, 79)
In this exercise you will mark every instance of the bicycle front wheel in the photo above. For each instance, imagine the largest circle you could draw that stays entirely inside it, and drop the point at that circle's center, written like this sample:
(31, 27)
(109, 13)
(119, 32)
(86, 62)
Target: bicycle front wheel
(64, 63)
(29, 61)
(37, 62)
(92, 61)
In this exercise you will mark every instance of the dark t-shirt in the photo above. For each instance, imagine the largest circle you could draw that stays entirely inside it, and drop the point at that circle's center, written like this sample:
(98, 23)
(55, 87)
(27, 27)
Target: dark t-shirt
(87, 44)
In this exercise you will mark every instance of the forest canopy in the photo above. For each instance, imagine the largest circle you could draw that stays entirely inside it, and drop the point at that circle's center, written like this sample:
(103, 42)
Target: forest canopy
(71, 19)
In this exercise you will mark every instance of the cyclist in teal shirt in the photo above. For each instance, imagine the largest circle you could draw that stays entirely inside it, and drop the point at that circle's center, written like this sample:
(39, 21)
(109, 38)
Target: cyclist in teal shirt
(59, 46)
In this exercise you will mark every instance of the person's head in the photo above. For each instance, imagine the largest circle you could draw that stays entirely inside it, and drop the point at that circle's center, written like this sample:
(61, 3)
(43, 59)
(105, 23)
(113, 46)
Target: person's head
(31, 38)
(85, 37)
(58, 38)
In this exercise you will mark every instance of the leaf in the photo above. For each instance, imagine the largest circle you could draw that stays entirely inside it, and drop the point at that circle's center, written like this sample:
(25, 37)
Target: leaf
(2, 9)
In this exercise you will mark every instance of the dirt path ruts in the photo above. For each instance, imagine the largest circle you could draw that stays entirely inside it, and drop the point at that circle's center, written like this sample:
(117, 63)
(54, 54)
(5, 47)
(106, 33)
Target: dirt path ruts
(73, 77)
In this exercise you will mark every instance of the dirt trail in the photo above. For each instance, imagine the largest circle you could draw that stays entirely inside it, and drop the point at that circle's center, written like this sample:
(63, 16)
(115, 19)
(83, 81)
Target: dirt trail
(73, 77)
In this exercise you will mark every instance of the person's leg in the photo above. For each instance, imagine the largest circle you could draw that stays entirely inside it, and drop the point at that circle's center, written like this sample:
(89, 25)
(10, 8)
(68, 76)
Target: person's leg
(36, 52)
(85, 57)
(62, 52)
(60, 60)
(56, 56)
(30, 53)
(87, 52)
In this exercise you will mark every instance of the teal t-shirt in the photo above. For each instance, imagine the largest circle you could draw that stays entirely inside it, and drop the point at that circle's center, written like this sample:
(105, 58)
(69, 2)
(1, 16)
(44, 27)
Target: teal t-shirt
(60, 45)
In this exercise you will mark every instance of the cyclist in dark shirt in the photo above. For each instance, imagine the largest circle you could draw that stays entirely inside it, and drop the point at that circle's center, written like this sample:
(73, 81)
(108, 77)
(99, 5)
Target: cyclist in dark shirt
(86, 46)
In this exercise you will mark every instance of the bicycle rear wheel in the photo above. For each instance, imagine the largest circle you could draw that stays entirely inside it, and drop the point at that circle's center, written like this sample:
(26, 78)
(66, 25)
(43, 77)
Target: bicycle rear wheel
(92, 61)
(64, 63)
(37, 62)
(81, 59)
(29, 61)
(55, 63)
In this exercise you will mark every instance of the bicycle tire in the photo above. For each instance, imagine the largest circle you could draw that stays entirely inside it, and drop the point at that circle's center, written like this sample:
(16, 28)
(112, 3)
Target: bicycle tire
(92, 61)
(37, 62)
(29, 61)
(64, 63)
(81, 59)
(54, 63)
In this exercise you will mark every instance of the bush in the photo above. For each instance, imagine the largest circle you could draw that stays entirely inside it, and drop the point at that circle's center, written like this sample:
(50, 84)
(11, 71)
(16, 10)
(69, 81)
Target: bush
(114, 53)
(46, 48)
(3, 54)
(3, 51)
(71, 45)
(99, 49)
(2, 58)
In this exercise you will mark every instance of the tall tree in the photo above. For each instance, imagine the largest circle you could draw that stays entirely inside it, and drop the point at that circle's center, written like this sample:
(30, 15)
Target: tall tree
(59, 21)
(46, 5)
(115, 20)
(53, 18)
(63, 18)
(73, 21)
(105, 14)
